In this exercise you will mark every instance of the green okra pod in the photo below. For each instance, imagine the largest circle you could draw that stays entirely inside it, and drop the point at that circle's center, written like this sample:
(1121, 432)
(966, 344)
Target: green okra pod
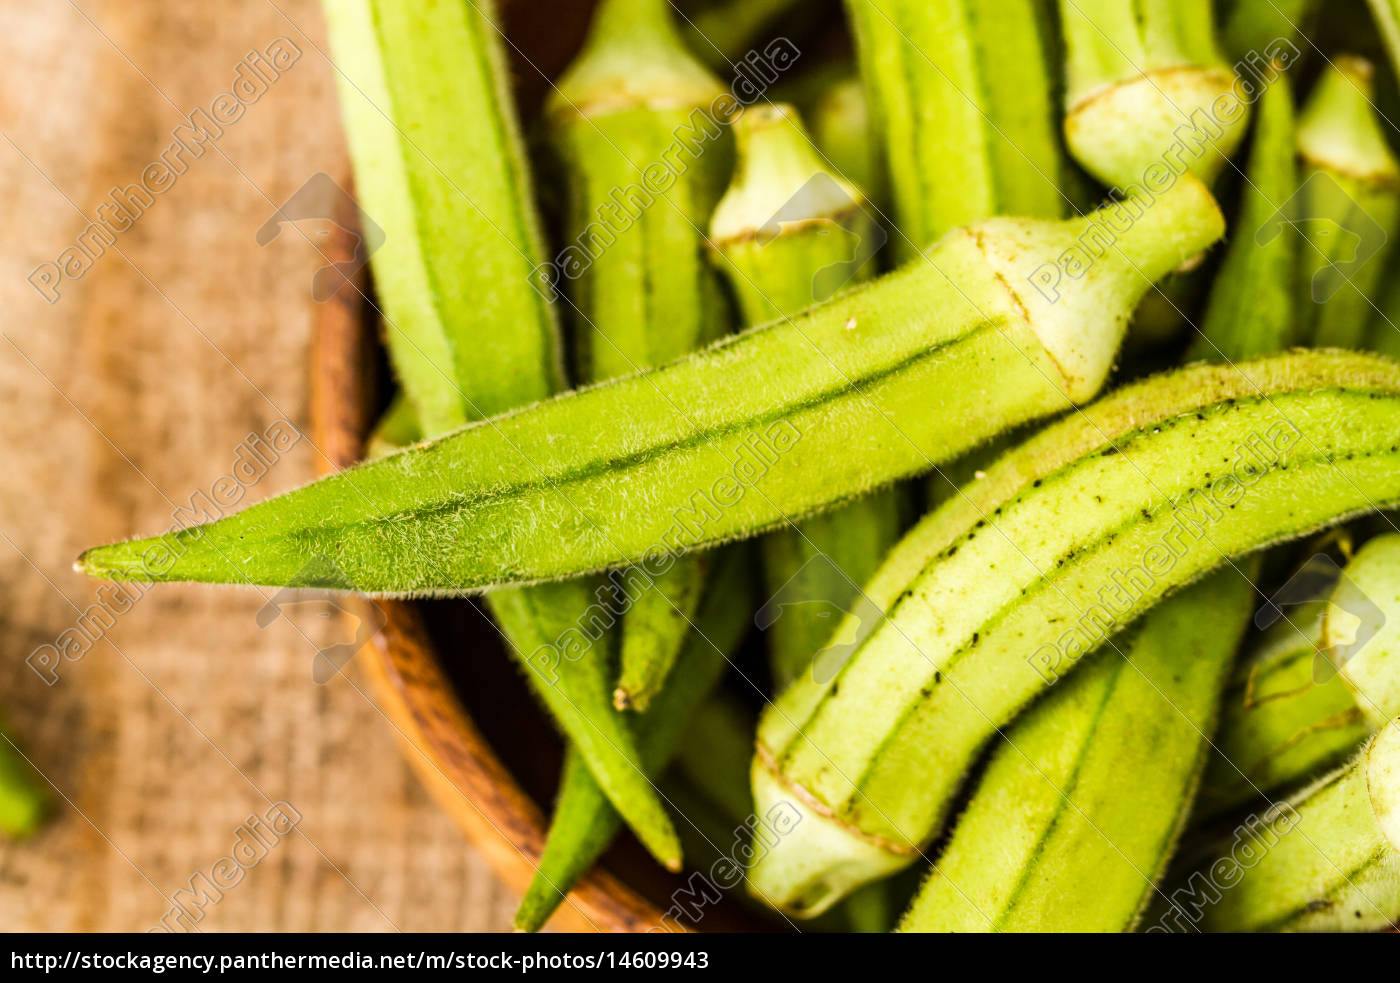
(888, 379)
(1325, 860)
(844, 133)
(722, 32)
(1248, 27)
(789, 233)
(440, 167)
(1148, 93)
(642, 287)
(1076, 816)
(1384, 333)
(714, 755)
(1280, 723)
(584, 821)
(961, 99)
(25, 798)
(1347, 206)
(1068, 538)
(1251, 309)
(397, 428)
(1386, 14)
(1320, 681)
(1054, 839)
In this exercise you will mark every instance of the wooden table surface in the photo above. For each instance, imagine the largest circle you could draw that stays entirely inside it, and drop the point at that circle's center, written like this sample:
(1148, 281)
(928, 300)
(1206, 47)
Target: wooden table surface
(127, 395)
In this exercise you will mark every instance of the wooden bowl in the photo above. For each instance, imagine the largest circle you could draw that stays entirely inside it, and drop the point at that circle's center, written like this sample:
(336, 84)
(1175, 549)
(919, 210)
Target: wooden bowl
(455, 730)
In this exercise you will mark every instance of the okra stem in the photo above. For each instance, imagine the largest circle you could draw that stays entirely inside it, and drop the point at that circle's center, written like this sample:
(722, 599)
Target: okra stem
(1326, 860)
(584, 821)
(986, 331)
(1148, 90)
(1347, 207)
(790, 232)
(1079, 809)
(440, 166)
(1084, 527)
(960, 92)
(646, 295)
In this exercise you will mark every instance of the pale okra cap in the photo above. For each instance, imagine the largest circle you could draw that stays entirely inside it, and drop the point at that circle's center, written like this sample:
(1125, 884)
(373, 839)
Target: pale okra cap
(777, 164)
(633, 58)
(1339, 129)
(1361, 628)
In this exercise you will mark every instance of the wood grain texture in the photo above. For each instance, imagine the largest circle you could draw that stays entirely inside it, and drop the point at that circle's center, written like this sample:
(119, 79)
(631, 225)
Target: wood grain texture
(123, 398)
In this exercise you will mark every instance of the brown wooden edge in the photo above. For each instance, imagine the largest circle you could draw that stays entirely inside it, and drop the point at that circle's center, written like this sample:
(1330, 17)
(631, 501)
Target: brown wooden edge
(450, 755)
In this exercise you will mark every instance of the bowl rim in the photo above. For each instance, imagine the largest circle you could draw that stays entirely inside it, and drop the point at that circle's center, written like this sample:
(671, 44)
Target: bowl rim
(450, 755)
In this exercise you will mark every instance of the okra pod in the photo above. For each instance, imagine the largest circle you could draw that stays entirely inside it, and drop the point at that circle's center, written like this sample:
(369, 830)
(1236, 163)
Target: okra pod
(1248, 27)
(722, 32)
(961, 99)
(644, 292)
(844, 133)
(584, 821)
(1325, 860)
(1361, 629)
(1347, 206)
(1250, 312)
(440, 170)
(1148, 93)
(1076, 816)
(25, 799)
(789, 233)
(397, 428)
(1281, 724)
(1384, 333)
(439, 165)
(1084, 527)
(714, 755)
(1386, 14)
(1054, 839)
(985, 332)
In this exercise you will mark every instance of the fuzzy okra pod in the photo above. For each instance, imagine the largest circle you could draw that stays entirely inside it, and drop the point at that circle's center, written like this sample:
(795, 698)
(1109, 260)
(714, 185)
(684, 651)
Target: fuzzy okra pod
(1251, 306)
(1326, 860)
(1281, 723)
(1317, 684)
(1347, 207)
(584, 821)
(646, 294)
(1069, 537)
(440, 169)
(961, 97)
(440, 166)
(992, 328)
(789, 233)
(1055, 838)
(1147, 90)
